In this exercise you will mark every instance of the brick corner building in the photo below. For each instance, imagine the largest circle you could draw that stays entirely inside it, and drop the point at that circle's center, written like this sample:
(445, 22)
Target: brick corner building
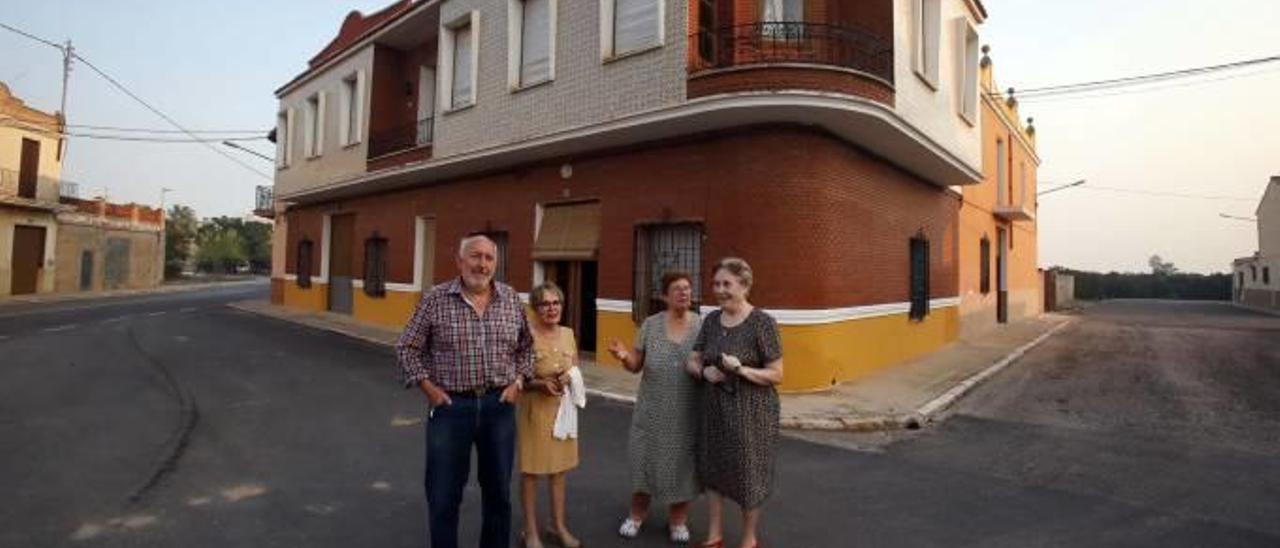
(828, 142)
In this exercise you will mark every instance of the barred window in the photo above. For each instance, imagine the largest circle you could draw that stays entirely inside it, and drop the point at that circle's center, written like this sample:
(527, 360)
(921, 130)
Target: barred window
(660, 249)
(303, 267)
(919, 277)
(375, 266)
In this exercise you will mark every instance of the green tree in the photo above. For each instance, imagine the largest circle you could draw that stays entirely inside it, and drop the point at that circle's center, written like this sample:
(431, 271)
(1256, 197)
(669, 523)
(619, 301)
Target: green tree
(180, 234)
(221, 249)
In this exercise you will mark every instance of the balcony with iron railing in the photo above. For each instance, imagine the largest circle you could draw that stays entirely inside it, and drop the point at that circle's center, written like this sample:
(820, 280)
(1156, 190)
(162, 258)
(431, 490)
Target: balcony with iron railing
(401, 138)
(264, 202)
(771, 56)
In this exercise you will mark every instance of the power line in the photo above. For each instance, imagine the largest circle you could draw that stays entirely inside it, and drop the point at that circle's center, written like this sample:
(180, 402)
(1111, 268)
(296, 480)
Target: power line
(1091, 94)
(166, 118)
(160, 139)
(1167, 194)
(234, 132)
(32, 36)
(1129, 81)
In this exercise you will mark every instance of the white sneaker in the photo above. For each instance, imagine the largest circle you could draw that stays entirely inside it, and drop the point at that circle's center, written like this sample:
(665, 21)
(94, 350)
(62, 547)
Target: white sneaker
(630, 528)
(680, 534)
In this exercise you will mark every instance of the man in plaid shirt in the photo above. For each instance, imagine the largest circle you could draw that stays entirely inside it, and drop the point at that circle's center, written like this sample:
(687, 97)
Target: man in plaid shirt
(469, 349)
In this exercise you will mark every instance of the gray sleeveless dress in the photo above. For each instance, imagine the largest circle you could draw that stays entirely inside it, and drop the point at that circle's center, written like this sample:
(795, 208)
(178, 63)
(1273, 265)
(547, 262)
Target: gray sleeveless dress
(663, 438)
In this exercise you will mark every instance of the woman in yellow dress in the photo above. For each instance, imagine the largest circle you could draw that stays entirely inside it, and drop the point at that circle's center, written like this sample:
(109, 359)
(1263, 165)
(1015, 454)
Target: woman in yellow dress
(541, 454)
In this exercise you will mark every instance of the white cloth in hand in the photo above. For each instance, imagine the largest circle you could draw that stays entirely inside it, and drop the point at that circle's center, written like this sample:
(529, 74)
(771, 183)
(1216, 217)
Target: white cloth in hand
(574, 397)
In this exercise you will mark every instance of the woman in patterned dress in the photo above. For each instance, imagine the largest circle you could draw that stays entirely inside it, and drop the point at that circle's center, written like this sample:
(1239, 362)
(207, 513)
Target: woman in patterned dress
(738, 355)
(663, 434)
(541, 454)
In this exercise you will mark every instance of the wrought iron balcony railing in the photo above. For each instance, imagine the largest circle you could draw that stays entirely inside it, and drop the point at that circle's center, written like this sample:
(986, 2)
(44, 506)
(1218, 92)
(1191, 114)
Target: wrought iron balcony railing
(264, 201)
(786, 42)
(402, 137)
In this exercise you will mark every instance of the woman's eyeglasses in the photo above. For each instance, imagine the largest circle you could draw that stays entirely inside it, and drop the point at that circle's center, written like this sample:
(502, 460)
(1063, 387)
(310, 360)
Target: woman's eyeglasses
(549, 304)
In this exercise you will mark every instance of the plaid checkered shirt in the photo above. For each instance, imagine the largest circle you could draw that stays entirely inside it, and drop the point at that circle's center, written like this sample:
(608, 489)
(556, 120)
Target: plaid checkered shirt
(450, 344)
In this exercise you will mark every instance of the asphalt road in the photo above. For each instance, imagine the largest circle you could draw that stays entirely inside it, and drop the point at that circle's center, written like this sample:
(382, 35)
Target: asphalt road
(171, 420)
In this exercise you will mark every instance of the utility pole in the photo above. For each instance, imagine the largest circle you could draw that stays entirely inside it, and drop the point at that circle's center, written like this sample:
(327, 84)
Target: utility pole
(68, 53)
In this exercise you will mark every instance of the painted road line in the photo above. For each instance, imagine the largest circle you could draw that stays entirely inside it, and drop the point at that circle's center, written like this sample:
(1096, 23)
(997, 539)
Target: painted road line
(154, 314)
(59, 328)
(115, 319)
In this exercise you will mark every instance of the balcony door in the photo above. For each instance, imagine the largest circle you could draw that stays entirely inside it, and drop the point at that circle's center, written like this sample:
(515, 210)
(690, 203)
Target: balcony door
(426, 104)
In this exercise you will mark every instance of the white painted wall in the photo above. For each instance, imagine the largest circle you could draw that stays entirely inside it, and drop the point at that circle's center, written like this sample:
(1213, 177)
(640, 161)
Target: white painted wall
(1268, 213)
(585, 91)
(936, 112)
(336, 162)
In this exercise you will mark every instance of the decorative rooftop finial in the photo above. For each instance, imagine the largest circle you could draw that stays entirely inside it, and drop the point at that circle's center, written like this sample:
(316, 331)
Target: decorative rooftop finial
(1031, 126)
(986, 55)
(1012, 101)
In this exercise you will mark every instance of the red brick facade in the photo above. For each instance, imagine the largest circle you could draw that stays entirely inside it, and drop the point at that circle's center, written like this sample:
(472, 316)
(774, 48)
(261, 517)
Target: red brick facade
(823, 223)
(774, 77)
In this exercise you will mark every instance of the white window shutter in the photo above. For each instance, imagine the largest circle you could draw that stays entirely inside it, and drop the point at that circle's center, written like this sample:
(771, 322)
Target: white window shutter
(636, 25)
(535, 38)
(282, 128)
(462, 93)
(320, 120)
(288, 144)
(357, 133)
(344, 114)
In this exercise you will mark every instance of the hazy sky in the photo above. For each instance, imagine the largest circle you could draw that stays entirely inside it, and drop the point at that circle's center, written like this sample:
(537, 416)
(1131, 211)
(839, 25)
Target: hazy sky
(214, 65)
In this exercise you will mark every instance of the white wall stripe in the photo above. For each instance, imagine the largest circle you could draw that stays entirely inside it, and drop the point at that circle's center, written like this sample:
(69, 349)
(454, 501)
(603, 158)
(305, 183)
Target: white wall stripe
(810, 316)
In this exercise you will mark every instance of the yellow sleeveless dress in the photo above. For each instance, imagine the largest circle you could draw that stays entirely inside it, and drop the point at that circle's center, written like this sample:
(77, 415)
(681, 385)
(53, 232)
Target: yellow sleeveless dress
(540, 452)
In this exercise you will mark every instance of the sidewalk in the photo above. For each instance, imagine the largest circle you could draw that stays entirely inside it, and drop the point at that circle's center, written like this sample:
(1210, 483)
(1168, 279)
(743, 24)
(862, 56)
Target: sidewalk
(907, 395)
(163, 288)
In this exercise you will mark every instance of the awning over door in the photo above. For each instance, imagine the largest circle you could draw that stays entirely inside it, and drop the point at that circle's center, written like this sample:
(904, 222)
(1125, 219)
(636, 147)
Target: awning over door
(568, 232)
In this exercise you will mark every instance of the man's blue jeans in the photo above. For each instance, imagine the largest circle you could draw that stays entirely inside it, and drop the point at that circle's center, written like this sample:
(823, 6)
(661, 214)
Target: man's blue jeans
(490, 425)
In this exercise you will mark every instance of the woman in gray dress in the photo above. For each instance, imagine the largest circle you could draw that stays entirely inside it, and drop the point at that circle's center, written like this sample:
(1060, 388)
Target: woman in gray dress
(663, 426)
(738, 355)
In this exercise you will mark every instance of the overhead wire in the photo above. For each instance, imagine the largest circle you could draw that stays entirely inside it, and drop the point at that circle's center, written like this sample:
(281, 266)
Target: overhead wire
(230, 132)
(166, 117)
(1044, 92)
(32, 36)
(123, 89)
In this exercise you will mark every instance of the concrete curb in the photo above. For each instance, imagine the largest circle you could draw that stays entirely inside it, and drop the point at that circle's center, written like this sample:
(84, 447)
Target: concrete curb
(931, 410)
(43, 298)
(925, 414)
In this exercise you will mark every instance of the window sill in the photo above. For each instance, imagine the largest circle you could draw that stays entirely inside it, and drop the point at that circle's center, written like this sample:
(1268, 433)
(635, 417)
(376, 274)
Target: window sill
(351, 145)
(930, 82)
(633, 53)
(524, 87)
(968, 118)
(460, 108)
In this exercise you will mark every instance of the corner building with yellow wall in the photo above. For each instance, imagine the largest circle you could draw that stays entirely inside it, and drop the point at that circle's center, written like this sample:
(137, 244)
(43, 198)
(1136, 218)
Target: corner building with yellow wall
(823, 143)
(1000, 280)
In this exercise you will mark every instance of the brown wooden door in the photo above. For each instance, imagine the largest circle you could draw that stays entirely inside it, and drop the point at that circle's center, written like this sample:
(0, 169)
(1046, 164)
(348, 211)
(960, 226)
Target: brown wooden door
(577, 279)
(341, 270)
(28, 259)
(29, 171)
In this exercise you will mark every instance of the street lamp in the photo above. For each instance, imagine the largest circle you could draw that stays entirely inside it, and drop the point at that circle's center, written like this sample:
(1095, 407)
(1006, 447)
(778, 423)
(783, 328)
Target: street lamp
(237, 146)
(1063, 187)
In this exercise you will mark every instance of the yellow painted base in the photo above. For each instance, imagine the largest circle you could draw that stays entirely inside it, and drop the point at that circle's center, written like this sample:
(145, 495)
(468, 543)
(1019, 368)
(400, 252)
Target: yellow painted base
(315, 298)
(818, 356)
(611, 326)
(392, 310)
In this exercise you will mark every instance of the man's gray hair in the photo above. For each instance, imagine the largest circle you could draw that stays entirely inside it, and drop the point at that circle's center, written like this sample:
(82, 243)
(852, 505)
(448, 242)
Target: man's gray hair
(466, 242)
